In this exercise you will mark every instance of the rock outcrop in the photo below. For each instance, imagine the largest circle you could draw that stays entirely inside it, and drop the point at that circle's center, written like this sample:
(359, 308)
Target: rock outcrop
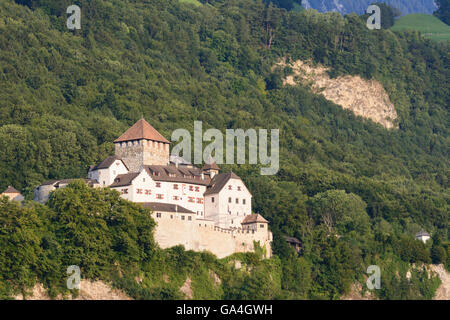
(366, 98)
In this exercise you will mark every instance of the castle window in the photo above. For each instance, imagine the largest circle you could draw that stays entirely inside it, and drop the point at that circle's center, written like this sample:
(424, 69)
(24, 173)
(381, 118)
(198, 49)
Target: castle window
(239, 188)
(182, 217)
(191, 188)
(199, 200)
(125, 191)
(197, 189)
(139, 191)
(158, 184)
(237, 200)
(175, 187)
(171, 216)
(230, 187)
(189, 218)
(229, 200)
(212, 199)
(261, 226)
(176, 198)
(158, 215)
(191, 199)
(159, 196)
(243, 201)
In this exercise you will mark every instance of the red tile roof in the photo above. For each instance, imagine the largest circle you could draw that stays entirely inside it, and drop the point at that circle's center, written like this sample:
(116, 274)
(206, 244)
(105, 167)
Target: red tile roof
(11, 190)
(254, 218)
(141, 130)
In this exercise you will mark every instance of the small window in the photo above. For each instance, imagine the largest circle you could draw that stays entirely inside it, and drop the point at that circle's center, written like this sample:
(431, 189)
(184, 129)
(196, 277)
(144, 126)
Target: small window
(143, 179)
(239, 188)
(159, 196)
(175, 187)
(197, 189)
(229, 200)
(190, 218)
(243, 201)
(158, 184)
(191, 188)
(230, 187)
(158, 215)
(237, 200)
(182, 217)
(212, 199)
(261, 226)
(171, 216)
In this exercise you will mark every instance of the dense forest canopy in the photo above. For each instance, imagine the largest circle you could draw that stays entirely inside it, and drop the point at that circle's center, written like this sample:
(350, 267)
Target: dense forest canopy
(443, 11)
(66, 95)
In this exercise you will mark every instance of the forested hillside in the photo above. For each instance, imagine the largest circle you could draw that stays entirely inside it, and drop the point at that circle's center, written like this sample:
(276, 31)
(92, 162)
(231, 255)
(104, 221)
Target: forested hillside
(65, 96)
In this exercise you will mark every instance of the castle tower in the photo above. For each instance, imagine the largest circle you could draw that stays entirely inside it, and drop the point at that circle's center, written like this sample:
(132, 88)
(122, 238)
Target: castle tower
(142, 145)
(210, 168)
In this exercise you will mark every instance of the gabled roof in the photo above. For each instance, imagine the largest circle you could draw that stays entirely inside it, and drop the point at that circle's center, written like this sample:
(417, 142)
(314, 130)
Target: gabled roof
(166, 207)
(292, 240)
(11, 189)
(141, 130)
(105, 164)
(422, 233)
(254, 218)
(219, 181)
(123, 180)
(211, 165)
(173, 173)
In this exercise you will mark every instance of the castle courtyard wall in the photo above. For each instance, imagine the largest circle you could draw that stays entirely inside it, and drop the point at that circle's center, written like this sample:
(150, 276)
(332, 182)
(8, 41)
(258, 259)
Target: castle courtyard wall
(194, 235)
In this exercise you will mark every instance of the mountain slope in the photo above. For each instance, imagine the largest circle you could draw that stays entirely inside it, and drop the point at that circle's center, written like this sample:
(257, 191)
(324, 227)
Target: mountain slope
(430, 26)
(65, 96)
(360, 6)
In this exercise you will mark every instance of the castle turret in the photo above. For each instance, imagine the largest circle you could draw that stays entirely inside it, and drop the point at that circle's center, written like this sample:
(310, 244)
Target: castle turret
(210, 168)
(142, 145)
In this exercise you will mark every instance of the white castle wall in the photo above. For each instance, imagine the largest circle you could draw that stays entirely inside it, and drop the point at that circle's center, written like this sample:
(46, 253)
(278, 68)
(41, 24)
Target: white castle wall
(106, 176)
(229, 214)
(200, 235)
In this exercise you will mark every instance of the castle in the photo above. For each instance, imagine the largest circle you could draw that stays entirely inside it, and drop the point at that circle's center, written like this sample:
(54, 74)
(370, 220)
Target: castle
(201, 209)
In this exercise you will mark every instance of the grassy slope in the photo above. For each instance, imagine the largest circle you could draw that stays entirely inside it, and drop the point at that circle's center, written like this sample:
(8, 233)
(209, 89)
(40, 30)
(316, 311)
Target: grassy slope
(430, 26)
(194, 2)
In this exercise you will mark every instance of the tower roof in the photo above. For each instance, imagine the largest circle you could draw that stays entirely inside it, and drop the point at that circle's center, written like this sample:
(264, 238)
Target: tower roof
(141, 130)
(212, 166)
(254, 218)
(11, 190)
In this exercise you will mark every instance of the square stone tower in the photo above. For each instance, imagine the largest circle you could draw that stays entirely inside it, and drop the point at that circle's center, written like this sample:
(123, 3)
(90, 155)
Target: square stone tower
(142, 145)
